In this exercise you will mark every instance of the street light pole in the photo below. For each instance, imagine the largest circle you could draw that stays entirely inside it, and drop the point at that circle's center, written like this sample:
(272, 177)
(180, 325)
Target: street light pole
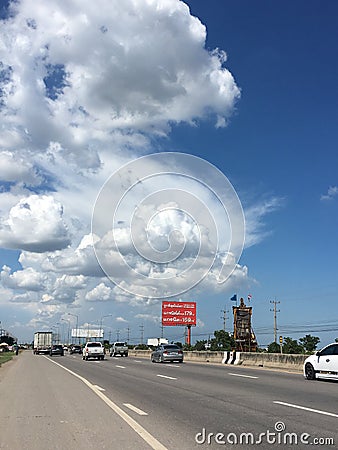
(68, 335)
(77, 325)
(58, 332)
(101, 329)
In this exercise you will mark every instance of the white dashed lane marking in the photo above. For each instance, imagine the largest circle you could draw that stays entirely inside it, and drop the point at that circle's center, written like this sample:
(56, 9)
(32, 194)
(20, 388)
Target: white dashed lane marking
(304, 408)
(240, 375)
(137, 410)
(165, 376)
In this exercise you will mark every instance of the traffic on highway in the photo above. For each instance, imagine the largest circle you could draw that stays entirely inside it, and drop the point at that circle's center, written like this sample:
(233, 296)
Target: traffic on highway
(168, 405)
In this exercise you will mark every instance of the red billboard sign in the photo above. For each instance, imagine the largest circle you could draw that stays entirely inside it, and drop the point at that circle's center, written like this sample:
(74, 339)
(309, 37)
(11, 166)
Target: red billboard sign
(178, 313)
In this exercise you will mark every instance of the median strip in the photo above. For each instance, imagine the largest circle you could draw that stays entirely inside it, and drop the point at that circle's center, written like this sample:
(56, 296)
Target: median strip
(318, 411)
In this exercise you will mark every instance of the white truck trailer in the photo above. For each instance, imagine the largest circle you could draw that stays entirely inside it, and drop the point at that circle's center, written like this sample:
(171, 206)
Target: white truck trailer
(42, 342)
(155, 342)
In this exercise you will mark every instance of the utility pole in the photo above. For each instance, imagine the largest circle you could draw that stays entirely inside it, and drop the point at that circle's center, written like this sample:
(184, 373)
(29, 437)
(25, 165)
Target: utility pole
(275, 311)
(224, 317)
(141, 330)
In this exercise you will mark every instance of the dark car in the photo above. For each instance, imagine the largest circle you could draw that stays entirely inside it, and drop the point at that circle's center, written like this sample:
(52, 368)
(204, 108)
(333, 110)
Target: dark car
(75, 349)
(167, 352)
(56, 350)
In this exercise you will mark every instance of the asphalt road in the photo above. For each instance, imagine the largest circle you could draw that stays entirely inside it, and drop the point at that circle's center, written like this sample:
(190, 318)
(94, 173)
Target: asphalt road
(122, 403)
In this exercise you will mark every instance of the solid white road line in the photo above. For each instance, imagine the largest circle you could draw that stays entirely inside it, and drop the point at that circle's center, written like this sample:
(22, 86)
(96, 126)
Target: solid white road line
(99, 388)
(120, 367)
(165, 376)
(240, 375)
(325, 413)
(142, 432)
(172, 365)
(137, 410)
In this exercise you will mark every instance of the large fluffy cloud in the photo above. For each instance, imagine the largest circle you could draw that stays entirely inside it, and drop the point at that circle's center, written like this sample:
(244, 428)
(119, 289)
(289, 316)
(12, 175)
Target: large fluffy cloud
(84, 88)
(35, 223)
(75, 73)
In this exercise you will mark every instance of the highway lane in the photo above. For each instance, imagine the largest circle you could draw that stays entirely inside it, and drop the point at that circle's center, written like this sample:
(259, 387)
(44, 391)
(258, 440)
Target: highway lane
(183, 400)
(43, 407)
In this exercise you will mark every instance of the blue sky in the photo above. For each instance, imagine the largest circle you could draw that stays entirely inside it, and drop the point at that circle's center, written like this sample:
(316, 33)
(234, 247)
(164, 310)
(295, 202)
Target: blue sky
(278, 149)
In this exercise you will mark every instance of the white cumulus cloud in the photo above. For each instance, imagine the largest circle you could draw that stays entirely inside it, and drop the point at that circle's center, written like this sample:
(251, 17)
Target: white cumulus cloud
(332, 192)
(36, 224)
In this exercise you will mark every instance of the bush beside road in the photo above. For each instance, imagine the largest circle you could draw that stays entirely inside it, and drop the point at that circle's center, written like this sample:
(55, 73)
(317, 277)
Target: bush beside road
(5, 357)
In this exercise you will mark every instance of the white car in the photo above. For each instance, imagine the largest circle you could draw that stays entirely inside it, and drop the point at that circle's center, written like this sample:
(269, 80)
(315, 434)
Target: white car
(323, 364)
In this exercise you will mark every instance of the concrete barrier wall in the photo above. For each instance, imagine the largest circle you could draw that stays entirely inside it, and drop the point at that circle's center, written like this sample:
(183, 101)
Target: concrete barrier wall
(273, 360)
(212, 357)
(140, 353)
(268, 360)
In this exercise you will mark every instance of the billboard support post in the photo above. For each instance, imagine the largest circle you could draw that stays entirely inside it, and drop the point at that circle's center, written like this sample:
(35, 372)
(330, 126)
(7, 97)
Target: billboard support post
(188, 342)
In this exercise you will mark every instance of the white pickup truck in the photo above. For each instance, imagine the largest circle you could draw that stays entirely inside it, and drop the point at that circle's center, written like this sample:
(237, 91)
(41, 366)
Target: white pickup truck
(93, 350)
(119, 348)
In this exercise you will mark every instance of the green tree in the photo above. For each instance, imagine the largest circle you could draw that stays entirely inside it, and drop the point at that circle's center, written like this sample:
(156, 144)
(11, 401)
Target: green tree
(309, 343)
(141, 347)
(274, 347)
(291, 346)
(222, 341)
(188, 348)
(200, 345)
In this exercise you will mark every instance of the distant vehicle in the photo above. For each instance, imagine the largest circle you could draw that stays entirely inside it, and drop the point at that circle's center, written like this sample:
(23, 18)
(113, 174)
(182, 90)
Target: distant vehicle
(42, 342)
(155, 342)
(56, 350)
(93, 350)
(119, 348)
(167, 352)
(323, 364)
(75, 349)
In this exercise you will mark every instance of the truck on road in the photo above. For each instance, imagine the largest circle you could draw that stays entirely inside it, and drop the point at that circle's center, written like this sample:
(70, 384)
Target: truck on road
(93, 350)
(155, 342)
(119, 348)
(42, 342)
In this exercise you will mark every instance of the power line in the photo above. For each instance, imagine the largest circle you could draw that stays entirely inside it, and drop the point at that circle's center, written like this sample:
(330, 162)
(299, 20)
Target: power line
(224, 317)
(275, 311)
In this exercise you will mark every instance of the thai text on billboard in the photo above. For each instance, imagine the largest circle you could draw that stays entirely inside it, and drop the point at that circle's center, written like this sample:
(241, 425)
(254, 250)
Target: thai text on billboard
(178, 313)
(87, 333)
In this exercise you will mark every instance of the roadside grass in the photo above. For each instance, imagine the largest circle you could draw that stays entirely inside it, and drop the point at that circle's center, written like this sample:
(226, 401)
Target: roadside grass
(5, 356)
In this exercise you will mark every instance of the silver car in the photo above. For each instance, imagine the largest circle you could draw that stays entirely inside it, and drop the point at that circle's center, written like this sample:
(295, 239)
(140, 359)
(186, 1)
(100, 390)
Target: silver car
(323, 364)
(167, 352)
